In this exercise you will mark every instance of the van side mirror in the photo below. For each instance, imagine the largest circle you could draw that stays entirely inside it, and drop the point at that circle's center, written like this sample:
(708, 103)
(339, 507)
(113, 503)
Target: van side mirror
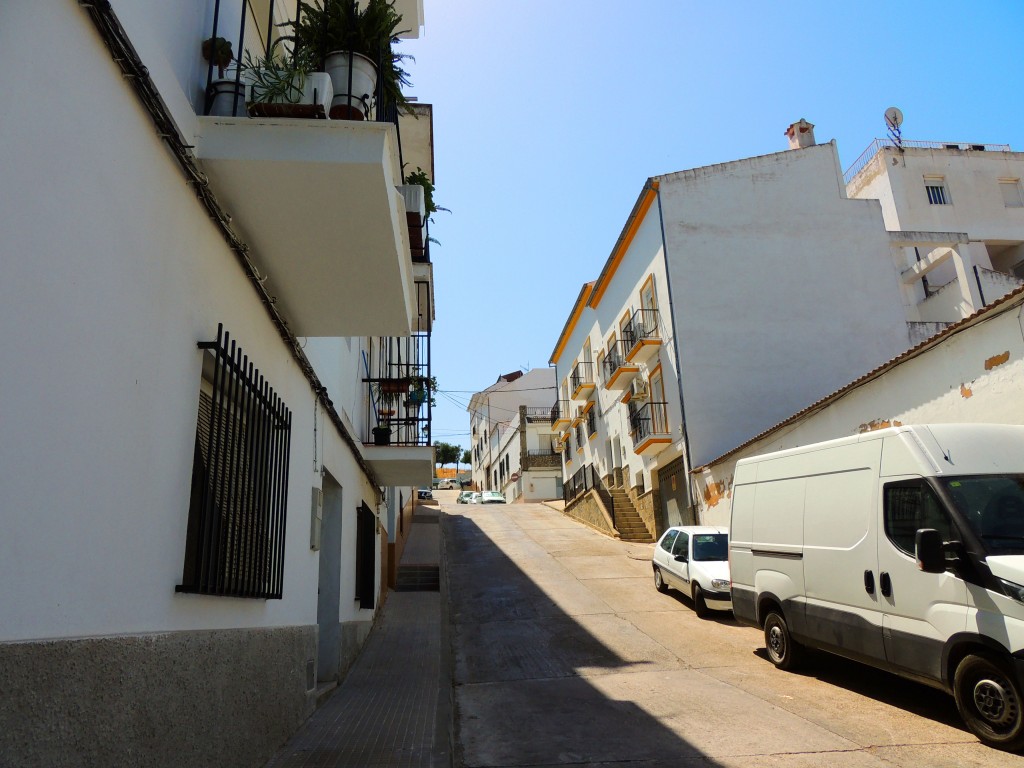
(931, 555)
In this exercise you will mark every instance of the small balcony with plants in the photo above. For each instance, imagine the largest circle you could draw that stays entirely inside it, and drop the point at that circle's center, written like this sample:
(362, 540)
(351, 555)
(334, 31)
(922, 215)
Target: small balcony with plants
(400, 397)
(581, 381)
(640, 337)
(300, 144)
(617, 373)
(648, 426)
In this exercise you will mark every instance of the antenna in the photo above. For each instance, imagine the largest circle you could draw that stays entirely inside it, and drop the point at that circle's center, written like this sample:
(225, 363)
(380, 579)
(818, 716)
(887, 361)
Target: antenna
(893, 121)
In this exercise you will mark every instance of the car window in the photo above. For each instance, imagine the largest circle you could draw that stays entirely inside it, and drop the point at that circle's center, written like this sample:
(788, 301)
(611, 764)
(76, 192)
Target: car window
(910, 506)
(710, 546)
(668, 539)
(681, 545)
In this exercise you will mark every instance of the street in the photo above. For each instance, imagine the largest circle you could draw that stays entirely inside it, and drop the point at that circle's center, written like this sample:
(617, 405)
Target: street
(565, 654)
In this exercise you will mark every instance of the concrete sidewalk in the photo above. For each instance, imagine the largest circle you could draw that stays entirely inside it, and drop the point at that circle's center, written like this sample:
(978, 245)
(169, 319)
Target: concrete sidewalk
(393, 709)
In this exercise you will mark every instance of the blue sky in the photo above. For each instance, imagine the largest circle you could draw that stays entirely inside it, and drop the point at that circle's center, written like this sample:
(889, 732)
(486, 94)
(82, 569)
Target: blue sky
(549, 116)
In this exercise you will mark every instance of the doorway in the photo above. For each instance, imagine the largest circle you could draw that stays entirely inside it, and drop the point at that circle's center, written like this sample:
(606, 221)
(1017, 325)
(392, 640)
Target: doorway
(328, 604)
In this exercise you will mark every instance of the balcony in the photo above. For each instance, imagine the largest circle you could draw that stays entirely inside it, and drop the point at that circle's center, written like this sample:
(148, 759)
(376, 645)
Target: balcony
(400, 392)
(317, 201)
(649, 428)
(641, 337)
(560, 416)
(581, 382)
(616, 371)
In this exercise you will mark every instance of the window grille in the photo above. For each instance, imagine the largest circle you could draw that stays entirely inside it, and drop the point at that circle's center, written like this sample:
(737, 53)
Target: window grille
(237, 511)
(936, 189)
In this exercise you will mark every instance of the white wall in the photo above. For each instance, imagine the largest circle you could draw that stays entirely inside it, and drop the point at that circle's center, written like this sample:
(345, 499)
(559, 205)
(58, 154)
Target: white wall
(111, 274)
(972, 180)
(783, 290)
(975, 375)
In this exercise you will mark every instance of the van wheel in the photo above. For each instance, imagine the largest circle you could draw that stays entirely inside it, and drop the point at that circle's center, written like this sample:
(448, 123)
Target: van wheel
(783, 651)
(700, 607)
(659, 581)
(989, 700)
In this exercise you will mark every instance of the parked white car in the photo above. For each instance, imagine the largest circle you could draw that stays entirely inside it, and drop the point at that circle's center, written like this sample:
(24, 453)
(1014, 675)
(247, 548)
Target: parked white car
(695, 560)
(447, 485)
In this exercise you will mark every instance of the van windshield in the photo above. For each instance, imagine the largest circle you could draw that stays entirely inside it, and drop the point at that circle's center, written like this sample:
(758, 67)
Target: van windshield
(710, 546)
(993, 505)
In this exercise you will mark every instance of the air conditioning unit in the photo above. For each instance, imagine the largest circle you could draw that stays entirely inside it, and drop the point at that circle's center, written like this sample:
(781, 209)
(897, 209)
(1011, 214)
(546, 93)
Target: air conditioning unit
(639, 389)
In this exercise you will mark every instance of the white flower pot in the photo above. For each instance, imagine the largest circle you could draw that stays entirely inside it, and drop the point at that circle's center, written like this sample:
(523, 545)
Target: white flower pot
(223, 103)
(359, 103)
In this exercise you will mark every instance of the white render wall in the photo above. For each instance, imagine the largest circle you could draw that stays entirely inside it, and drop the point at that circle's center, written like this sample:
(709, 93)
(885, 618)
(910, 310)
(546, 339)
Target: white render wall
(111, 274)
(642, 259)
(782, 290)
(971, 178)
(975, 375)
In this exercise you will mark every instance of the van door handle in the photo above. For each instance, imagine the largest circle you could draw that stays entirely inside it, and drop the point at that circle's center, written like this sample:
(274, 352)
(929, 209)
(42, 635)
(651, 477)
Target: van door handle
(869, 582)
(885, 583)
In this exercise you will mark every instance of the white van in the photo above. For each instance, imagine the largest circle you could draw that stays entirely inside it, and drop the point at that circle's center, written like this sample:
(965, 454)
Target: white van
(901, 548)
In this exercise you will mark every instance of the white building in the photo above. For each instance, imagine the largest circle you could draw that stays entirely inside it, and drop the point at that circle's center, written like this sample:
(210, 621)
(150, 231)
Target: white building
(972, 372)
(512, 440)
(735, 295)
(198, 312)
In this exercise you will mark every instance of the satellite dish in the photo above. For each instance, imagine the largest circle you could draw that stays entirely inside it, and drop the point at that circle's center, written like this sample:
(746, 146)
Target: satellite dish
(893, 118)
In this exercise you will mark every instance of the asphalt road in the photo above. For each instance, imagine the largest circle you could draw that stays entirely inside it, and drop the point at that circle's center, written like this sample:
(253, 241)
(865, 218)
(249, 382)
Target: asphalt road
(565, 654)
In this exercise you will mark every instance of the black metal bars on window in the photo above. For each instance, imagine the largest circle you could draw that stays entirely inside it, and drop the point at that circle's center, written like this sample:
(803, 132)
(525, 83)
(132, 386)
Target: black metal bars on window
(237, 514)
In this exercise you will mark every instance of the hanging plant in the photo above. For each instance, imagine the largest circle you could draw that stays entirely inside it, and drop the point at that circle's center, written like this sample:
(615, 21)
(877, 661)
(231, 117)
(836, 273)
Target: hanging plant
(218, 51)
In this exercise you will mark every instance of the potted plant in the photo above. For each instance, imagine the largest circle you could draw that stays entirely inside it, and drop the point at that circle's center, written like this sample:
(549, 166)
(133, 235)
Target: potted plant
(423, 389)
(354, 46)
(381, 435)
(279, 87)
(224, 96)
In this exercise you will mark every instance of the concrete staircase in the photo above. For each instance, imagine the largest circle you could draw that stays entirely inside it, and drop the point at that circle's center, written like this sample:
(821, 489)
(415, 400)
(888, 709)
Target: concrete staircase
(628, 522)
(418, 578)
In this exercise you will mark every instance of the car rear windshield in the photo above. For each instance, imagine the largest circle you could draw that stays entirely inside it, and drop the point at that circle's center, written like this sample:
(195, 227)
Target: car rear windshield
(711, 546)
(993, 505)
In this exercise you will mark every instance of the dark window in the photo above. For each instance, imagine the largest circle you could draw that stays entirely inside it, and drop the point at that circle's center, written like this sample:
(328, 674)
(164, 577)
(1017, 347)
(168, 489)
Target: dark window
(682, 545)
(236, 518)
(909, 507)
(937, 194)
(666, 542)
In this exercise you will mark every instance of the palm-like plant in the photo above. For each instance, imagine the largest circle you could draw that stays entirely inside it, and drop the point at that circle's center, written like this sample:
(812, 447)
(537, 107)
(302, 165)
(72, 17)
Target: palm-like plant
(326, 26)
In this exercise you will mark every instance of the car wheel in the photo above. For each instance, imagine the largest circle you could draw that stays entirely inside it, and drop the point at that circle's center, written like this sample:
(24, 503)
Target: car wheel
(700, 607)
(989, 700)
(659, 581)
(783, 651)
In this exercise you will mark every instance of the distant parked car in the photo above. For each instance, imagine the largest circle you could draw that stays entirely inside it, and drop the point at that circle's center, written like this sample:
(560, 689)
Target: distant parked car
(491, 497)
(424, 493)
(464, 497)
(474, 497)
(447, 485)
(695, 560)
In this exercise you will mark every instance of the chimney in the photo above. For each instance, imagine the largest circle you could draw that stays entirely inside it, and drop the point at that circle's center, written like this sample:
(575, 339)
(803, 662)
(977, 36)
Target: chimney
(801, 134)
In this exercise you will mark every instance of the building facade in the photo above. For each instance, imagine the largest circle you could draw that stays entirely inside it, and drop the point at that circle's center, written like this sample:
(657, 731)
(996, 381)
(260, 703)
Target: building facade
(512, 440)
(201, 313)
(735, 295)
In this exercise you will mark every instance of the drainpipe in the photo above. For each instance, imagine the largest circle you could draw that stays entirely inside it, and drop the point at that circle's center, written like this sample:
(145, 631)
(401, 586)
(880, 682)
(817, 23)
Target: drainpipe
(679, 359)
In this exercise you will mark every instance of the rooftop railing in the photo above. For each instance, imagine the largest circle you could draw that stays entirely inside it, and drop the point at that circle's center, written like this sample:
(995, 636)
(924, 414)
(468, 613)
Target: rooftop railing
(875, 146)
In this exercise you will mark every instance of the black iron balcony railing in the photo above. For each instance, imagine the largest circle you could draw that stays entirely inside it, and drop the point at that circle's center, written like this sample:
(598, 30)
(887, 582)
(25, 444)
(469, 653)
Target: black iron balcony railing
(400, 387)
(578, 429)
(534, 413)
(582, 376)
(592, 421)
(560, 411)
(648, 419)
(614, 359)
(643, 325)
(260, 37)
